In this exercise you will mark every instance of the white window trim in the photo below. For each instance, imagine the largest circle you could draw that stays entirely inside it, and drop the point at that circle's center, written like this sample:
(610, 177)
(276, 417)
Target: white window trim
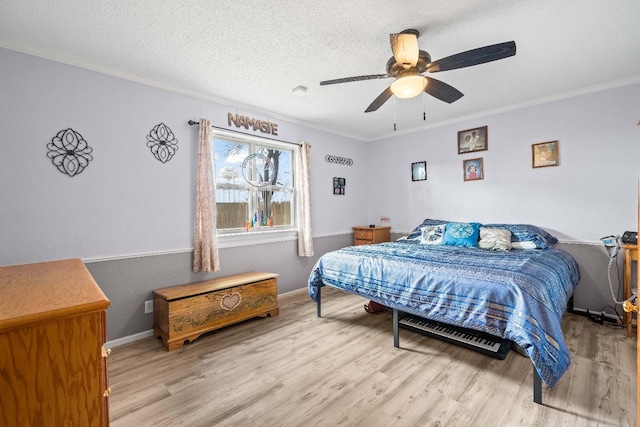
(231, 238)
(248, 238)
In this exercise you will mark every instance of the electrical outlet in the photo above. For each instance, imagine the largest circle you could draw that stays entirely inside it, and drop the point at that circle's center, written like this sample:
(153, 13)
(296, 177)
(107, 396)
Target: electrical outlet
(148, 306)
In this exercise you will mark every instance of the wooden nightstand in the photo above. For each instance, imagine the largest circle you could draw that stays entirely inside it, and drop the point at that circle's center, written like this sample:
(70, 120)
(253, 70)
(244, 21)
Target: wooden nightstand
(630, 254)
(367, 235)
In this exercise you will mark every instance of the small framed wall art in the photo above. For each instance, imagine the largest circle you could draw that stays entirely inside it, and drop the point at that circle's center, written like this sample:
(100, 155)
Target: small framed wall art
(473, 169)
(544, 154)
(419, 171)
(338, 185)
(470, 140)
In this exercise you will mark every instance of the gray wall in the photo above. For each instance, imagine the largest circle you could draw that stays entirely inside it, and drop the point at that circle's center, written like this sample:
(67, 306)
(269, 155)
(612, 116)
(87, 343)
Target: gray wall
(128, 282)
(593, 292)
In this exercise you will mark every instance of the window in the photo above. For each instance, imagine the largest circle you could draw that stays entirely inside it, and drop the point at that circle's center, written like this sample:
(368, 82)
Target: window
(254, 184)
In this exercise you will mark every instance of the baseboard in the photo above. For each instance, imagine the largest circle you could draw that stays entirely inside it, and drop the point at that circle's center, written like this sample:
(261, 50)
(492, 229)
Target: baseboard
(128, 339)
(149, 333)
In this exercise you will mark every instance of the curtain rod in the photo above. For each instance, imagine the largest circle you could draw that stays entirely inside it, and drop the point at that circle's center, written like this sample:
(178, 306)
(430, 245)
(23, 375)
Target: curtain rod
(193, 123)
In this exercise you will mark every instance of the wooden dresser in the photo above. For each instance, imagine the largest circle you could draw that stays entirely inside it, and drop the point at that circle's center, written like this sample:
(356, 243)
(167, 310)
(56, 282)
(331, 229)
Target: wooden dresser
(366, 235)
(53, 369)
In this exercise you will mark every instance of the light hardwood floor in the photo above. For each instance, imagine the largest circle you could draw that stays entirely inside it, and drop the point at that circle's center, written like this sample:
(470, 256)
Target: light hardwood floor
(342, 370)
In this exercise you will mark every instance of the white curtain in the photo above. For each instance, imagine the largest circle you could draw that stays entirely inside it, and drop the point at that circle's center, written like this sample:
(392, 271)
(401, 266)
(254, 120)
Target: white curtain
(205, 254)
(303, 211)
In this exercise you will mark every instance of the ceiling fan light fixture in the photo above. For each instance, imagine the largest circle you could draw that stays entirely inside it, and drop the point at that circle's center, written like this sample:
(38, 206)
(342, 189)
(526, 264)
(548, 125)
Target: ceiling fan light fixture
(405, 48)
(409, 86)
(409, 63)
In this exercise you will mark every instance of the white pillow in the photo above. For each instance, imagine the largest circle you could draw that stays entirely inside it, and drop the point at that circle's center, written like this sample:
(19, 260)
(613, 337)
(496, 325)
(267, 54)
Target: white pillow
(524, 245)
(432, 234)
(497, 239)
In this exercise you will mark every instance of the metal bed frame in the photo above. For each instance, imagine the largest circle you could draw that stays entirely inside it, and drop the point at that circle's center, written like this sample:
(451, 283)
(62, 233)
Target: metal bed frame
(537, 381)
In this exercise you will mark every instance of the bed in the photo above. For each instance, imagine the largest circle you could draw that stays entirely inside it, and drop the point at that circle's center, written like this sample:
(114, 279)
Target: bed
(506, 280)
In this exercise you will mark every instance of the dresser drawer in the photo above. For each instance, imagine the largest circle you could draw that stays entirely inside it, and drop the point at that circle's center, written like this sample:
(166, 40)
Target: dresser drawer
(357, 242)
(363, 235)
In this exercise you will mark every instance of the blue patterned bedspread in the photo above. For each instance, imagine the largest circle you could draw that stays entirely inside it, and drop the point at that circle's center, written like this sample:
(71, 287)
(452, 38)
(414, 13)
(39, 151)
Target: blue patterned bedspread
(520, 295)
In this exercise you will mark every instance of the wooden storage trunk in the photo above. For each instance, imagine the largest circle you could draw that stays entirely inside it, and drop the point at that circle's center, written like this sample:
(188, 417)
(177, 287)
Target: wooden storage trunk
(183, 313)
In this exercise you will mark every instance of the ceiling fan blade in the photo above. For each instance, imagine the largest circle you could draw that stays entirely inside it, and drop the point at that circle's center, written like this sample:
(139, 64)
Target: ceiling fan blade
(442, 91)
(381, 99)
(474, 57)
(355, 79)
(405, 48)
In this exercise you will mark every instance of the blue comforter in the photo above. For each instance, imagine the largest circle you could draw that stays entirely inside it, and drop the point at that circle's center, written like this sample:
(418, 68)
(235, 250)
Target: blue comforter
(519, 295)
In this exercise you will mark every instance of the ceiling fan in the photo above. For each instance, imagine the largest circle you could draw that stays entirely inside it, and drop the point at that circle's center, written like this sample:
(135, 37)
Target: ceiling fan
(409, 63)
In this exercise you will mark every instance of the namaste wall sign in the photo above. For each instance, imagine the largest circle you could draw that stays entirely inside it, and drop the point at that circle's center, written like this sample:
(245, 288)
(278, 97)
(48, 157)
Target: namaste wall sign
(263, 126)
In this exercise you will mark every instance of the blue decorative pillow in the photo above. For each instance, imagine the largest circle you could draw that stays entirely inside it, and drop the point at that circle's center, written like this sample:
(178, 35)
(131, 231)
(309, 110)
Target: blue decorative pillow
(417, 232)
(528, 233)
(462, 234)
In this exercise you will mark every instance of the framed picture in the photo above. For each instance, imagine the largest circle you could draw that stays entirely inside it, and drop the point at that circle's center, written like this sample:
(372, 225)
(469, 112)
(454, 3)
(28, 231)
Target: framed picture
(473, 169)
(544, 154)
(471, 140)
(418, 171)
(338, 185)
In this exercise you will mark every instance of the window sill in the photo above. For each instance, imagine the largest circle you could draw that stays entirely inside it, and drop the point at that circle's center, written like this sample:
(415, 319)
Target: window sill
(248, 238)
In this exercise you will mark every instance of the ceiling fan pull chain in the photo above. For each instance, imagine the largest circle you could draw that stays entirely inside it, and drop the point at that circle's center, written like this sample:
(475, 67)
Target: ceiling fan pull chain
(394, 113)
(424, 110)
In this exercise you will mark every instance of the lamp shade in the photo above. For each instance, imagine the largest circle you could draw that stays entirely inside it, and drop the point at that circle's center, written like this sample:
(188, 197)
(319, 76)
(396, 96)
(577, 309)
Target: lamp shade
(405, 49)
(408, 86)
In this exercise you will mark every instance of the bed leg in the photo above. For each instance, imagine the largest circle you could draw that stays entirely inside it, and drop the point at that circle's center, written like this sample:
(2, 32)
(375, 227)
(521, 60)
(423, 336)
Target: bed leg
(537, 387)
(318, 310)
(396, 329)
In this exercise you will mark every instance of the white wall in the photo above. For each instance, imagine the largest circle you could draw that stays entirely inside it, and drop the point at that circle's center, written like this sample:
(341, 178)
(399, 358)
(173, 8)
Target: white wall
(592, 193)
(125, 202)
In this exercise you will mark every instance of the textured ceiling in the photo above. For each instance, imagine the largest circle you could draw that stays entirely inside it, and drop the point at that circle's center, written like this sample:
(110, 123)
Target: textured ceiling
(251, 54)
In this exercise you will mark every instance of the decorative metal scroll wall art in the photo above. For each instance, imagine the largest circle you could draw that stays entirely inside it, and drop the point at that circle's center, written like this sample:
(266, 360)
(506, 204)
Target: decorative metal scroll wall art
(69, 152)
(339, 160)
(162, 142)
